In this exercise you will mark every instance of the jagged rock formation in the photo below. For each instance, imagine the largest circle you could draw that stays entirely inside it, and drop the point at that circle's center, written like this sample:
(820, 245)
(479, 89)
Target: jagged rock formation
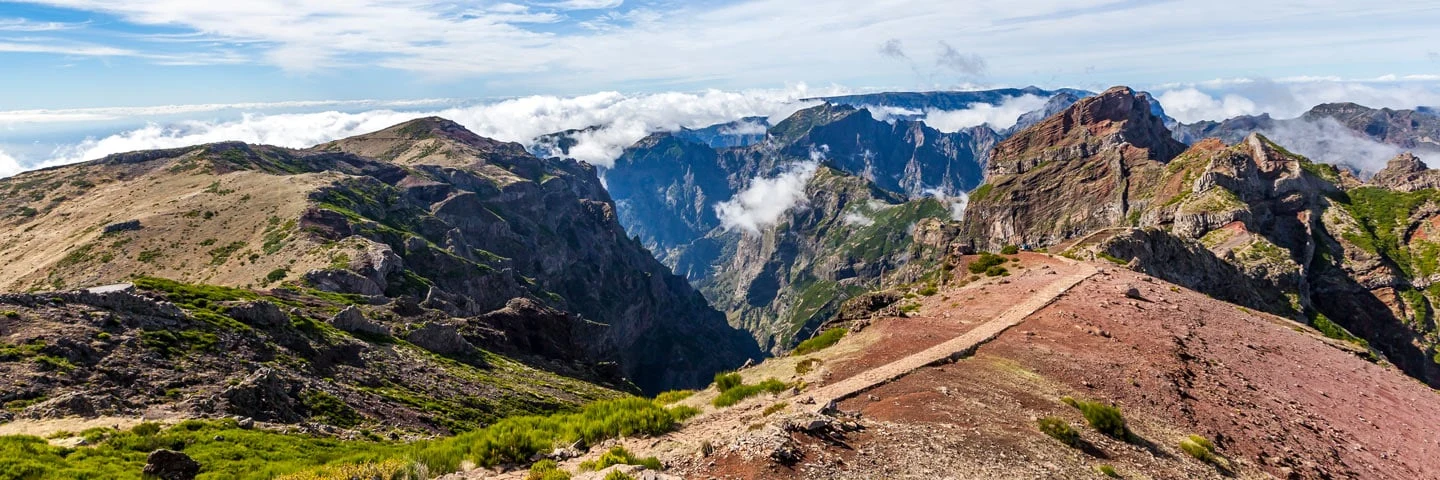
(849, 237)
(1071, 174)
(1415, 130)
(1250, 223)
(666, 187)
(1406, 173)
(424, 213)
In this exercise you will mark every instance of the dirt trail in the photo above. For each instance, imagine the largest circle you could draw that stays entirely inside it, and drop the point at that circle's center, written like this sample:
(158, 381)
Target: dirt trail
(828, 396)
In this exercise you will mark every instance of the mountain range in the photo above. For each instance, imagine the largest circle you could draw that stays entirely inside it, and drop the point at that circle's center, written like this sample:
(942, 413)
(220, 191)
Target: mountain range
(894, 300)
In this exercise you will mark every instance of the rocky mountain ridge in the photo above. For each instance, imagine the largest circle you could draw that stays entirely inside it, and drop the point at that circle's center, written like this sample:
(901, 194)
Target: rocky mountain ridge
(1250, 222)
(424, 212)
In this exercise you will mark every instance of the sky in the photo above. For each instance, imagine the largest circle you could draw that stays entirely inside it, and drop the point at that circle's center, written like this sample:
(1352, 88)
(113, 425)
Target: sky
(78, 73)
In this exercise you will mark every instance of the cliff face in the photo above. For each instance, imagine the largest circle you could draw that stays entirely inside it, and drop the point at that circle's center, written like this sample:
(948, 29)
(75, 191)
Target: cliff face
(1083, 169)
(437, 216)
(1250, 222)
(849, 237)
(667, 185)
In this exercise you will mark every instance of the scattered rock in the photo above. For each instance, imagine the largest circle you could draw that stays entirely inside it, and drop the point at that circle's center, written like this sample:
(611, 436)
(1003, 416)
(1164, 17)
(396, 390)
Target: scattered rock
(75, 404)
(125, 226)
(343, 281)
(119, 287)
(352, 320)
(259, 313)
(440, 338)
(1132, 292)
(264, 395)
(171, 465)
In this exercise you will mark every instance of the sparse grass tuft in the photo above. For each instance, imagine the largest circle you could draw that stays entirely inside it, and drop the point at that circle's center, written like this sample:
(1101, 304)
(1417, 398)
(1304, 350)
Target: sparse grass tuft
(820, 342)
(807, 365)
(1104, 418)
(1108, 471)
(1059, 429)
(727, 380)
(1010, 250)
(1201, 449)
(666, 398)
(985, 262)
(776, 407)
(741, 392)
(619, 456)
(547, 470)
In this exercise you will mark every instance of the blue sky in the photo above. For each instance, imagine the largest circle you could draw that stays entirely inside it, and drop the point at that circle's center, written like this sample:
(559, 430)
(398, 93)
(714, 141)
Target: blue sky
(1216, 58)
(87, 53)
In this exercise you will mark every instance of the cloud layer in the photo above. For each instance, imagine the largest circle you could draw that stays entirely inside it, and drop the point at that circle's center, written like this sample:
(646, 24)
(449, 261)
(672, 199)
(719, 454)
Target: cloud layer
(1288, 98)
(762, 203)
(999, 117)
(624, 119)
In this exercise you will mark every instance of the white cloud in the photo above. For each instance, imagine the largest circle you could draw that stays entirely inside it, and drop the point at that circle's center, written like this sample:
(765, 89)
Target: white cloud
(8, 165)
(11, 117)
(957, 202)
(583, 4)
(624, 119)
(1326, 140)
(25, 25)
(745, 128)
(857, 219)
(763, 202)
(999, 117)
(801, 42)
(1189, 105)
(1288, 98)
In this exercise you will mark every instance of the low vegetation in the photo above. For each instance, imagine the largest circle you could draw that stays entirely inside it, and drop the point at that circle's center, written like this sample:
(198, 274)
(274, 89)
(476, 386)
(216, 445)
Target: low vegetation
(727, 380)
(1108, 471)
(1103, 418)
(546, 470)
(1200, 448)
(116, 454)
(1059, 429)
(619, 456)
(666, 398)
(735, 394)
(820, 342)
(1010, 250)
(985, 262)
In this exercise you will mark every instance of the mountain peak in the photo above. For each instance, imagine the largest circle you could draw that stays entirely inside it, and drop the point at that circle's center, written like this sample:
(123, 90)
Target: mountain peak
(1406, 172)
(1117, 116)
(432, 140)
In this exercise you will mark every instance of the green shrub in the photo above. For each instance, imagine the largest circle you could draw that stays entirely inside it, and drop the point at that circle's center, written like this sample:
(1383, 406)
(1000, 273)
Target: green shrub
(727, 380)
(737, 393)
(276, 275)
(986, 260)
(10, 314)
(666, 398)
(619, 456)
(618, 475)
(1010, 250)
(996, 271)
(683, 412)
(1201, 449)
(1104, 418)
(820, 342)
(148, 256)
(1108, 471)
(929, 290)
(547, 470)
(330, 409)
(1059, 429)
(776, 407)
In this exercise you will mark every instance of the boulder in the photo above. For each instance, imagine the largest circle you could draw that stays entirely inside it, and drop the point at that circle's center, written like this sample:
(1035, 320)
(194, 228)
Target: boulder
(259, 313)
(1132, 292)
(170, 465)
(343, 281)
(264, 395)
(352, 320)
(440, 338)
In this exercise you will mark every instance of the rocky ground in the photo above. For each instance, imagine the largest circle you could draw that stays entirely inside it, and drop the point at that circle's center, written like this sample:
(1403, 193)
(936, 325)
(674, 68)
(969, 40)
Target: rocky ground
(1277, 399)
